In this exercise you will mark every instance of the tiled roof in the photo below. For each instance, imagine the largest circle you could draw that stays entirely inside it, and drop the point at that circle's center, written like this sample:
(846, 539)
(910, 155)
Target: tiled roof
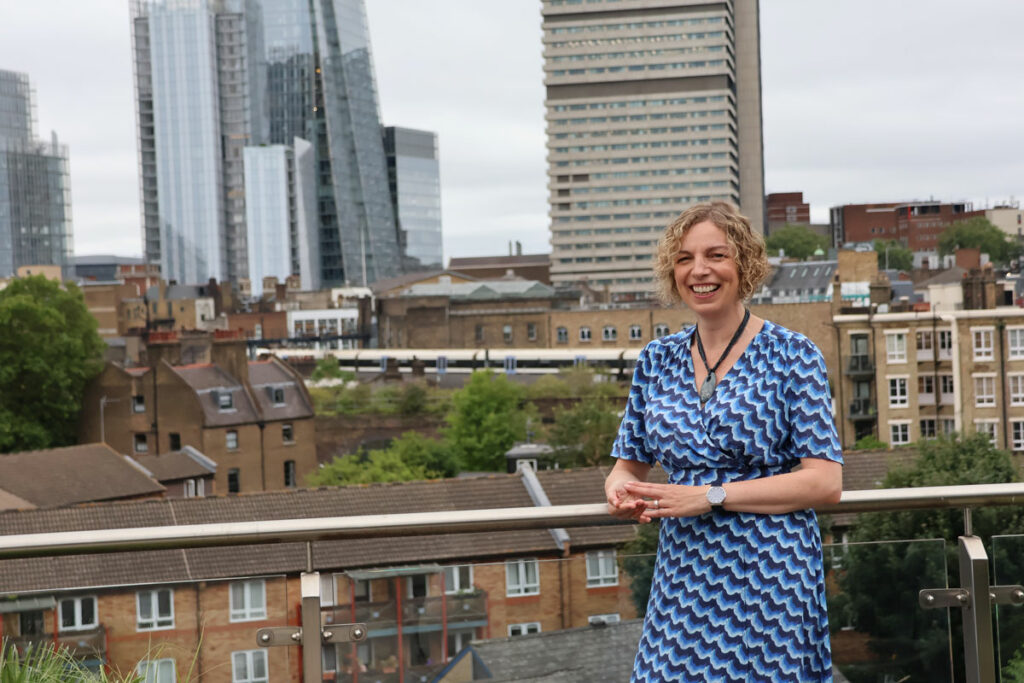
(497, 491)
(483, 290)
(76, 474)
(177, 465)
(387, 284)
(9, 501)
(208, 381)
(264, 377)
(499, 261)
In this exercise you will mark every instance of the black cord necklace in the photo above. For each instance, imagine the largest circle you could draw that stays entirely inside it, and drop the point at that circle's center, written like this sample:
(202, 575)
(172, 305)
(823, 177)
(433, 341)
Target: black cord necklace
(707, 389)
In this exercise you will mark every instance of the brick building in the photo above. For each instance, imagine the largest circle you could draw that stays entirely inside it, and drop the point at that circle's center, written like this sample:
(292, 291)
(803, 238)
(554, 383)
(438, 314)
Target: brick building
(253, 419)
(917, 225)
(423, 598)
(786, 208)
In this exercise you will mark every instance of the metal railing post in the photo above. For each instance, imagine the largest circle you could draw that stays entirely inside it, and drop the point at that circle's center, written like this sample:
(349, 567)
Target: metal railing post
(312, 654)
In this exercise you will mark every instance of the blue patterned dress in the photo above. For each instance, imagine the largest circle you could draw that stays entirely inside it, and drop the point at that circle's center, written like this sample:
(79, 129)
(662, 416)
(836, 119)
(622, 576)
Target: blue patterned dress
(736, 596)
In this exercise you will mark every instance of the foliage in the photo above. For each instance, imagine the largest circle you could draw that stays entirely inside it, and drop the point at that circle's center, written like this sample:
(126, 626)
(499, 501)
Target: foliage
(898, 256)
(49, 350)
(583, 433)
(1013, 672)
(879, 581)
(328, 368)
(980, 233)
(638, 562)
(869, 443)
(797, 241)
(411, 457)
(42, 663)
(485, 421)
(409, 398)
(575, 382)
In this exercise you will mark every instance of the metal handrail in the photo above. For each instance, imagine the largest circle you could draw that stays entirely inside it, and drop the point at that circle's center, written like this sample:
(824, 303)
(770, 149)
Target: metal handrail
(447, 522)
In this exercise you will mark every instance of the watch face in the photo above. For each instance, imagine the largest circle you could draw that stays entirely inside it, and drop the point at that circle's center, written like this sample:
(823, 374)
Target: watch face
(716, 495)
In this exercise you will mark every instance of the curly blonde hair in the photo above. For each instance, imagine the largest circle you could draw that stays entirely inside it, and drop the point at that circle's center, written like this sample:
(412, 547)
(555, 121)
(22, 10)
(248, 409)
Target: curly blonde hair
(747, 248)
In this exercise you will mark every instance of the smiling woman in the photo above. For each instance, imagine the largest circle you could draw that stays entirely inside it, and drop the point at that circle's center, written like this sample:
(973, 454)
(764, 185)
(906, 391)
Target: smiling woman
(738, 592)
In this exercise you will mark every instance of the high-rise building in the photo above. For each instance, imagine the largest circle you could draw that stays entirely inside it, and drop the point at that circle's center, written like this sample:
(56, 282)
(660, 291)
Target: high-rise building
(415, 177)
(35, 188)
(216, 76)
(652, 105)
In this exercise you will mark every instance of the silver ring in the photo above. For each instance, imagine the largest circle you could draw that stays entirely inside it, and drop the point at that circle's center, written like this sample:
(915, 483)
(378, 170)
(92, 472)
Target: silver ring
(657, 504)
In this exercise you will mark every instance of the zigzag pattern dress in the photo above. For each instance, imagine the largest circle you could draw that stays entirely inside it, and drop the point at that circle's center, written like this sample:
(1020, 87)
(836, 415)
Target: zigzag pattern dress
(736, 596)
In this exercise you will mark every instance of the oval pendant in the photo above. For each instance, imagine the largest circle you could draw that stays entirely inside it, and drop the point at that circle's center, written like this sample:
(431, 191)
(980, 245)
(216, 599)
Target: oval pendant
(707, 388)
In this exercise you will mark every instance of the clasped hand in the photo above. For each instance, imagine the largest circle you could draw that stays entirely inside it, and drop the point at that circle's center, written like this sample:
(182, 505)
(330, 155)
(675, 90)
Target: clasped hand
(643, 501)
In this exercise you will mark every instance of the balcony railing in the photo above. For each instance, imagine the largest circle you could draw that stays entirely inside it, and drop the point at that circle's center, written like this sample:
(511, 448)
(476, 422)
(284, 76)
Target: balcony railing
(975, 597)
(84, 644)
(859, 366)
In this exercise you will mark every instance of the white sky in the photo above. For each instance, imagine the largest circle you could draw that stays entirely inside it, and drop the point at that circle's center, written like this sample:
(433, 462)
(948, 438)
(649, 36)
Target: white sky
(864, 100)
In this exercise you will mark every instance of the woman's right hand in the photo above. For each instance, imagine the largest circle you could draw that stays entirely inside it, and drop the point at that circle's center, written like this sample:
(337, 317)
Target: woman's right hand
(624, 505)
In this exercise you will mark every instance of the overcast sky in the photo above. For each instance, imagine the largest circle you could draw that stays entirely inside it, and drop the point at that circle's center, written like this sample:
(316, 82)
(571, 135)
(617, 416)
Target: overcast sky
(864, 100)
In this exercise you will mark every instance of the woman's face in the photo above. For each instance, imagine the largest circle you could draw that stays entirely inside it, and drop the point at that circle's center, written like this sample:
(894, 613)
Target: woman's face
(705, 272)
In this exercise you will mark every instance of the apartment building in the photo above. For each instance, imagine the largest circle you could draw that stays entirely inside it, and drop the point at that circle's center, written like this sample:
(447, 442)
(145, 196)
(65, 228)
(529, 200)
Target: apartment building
(422, 598)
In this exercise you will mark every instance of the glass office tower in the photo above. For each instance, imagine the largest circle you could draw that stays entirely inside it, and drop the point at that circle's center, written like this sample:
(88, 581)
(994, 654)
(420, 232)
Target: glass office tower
(651, 107)
(415, 177)
(35, 187)
(216, 76)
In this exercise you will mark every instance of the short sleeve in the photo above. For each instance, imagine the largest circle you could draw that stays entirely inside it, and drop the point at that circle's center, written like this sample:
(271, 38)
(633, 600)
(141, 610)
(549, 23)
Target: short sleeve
(631, 441)
(812, 427)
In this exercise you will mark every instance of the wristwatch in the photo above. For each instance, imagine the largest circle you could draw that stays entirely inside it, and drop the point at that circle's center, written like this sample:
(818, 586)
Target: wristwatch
(716, 496)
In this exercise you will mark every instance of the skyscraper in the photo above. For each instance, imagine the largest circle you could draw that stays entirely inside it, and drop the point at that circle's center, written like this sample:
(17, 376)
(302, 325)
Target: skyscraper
(415, 177)
(216, 76)
(35, 191)
(652, 105)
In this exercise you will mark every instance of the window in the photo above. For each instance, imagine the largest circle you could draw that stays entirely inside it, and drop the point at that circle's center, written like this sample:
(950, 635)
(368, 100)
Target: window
(154, 609)
(138, 404)
(1018, 435)
(924, 340)
(140, 443)
(531, 331)
(602, 569)
(248, 600)
(987, 427)
(521, 578)
(234, 484)
(562, 335)
(1015, 341)
(609, 333)
(604, 619)
(195, 488)
(361, 590)
(506, 333)
(948, 425)
(457, 640)
(225, 400)
(416, 586)
(635, 332)
(928, 428)
(1016, 389)
(584, 333)
(478, 333)
(896, 347)
(660, 330)
(277, 396)
(945, 342)
(899, 433)
(287, 433)
(982, 337)
(926, 384)
(984, 390)
(289, 474)
(231, 440)
(458, 579)
(524, 629)
(249, 666)
(77, 614)
(898, 392)
(946, 387)
(156, 671)
(174, 441)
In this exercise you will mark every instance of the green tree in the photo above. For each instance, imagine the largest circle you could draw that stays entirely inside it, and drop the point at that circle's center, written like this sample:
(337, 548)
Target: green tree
(979, 233)
(797, 241)
(485, 420)
(49, 350)
(638, 562)
(893, 253)
(583, 433)
(411, 457)
(328, 368)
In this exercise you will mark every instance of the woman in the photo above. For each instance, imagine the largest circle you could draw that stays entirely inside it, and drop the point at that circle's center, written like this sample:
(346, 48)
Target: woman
(728, 408)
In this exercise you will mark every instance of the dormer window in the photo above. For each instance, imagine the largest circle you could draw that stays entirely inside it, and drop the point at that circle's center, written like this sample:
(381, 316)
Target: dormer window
(277, 394)
(224, 400)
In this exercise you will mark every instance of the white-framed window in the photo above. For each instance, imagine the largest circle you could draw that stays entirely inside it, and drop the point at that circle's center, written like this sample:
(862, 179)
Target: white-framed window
(947, 425)
(225, 401)
(609, 333)
(926, 389)
(602, 568)
(947, 389)
(195, 488)
(636, 332)
(531, 331)
(924, 341)
(660, 330)
(231, 440)
(896, 347)
(584, 333)
(982, 341)
(248, 600)
(524, 628)
(277, 396)
(154, 609)
(157, 671)
(1016, 381)
(1018, 435)
(287, 433)
(612, 618)
(984, 390)
(138, 403)
(899, 432)
(988, 427)
(141, 445)
(562, 335)
(249, 666)
(928, 428)
(78, 614)
(458, 639)
(458, 579)
(506, 333)
(1015, 342)
(898, 397)
(522, 577)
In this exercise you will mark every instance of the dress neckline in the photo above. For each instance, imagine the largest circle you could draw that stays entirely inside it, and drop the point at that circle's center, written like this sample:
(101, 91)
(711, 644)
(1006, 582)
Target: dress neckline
(726, 380)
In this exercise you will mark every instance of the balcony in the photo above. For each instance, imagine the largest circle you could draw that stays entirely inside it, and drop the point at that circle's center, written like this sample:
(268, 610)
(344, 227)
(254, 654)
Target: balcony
(89, 645)
(862, 409)
(860, 366)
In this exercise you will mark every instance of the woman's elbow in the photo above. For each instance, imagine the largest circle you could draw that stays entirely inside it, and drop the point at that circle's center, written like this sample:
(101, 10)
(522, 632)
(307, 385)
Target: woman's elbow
(833, 488)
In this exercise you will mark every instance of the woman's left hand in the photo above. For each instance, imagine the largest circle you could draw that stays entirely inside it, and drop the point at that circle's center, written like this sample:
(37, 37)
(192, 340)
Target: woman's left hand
(670, 500)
